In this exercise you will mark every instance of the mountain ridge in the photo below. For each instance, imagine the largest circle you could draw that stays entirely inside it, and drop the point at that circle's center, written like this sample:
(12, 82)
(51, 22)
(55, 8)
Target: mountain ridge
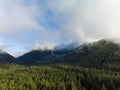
(6, 58)
(96, 54)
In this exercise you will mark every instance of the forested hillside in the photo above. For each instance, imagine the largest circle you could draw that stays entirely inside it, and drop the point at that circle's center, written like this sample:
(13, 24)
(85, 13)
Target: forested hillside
(98, 54)
(6, 58)
(92, 66)
(57, 77)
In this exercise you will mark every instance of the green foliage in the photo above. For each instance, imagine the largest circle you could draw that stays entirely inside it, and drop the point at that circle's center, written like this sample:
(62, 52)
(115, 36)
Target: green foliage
(57, 77)
(103, 87)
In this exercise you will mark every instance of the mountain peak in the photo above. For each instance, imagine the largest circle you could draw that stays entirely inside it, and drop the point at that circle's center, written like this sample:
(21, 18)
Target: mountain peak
(66, 46)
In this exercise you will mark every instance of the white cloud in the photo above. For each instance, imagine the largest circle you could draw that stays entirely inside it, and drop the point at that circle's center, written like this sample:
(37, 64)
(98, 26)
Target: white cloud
(78, 20)
(43, 45)
(88, 19)
(15, 16)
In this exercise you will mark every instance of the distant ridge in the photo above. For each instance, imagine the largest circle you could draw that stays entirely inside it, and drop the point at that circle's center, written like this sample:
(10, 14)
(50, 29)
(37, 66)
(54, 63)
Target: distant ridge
(97, 54)
(6, 58)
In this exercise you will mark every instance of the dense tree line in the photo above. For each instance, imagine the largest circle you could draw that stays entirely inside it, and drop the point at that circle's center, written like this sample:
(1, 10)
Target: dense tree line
(57, 77)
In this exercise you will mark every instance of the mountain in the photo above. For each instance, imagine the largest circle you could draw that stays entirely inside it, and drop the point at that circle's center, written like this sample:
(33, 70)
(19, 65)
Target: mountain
(46, 56)
(97, 54)
(66, 47)
(42, 57)
(6, 58)
(35, 57)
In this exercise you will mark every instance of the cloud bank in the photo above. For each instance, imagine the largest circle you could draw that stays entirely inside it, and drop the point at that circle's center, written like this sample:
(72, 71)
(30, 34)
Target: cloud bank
(88, 20)
(45, 23)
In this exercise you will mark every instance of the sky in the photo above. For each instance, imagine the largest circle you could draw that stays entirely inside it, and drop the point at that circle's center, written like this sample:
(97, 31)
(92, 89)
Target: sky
(34, 24)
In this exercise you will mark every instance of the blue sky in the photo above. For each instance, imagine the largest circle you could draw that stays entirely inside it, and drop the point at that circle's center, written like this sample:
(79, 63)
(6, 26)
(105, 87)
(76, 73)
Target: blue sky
(34, 24)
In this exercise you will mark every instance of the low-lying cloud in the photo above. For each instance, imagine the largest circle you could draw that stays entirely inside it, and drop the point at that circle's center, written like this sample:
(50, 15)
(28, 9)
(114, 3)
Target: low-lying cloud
(88, 20)
(59, 21)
